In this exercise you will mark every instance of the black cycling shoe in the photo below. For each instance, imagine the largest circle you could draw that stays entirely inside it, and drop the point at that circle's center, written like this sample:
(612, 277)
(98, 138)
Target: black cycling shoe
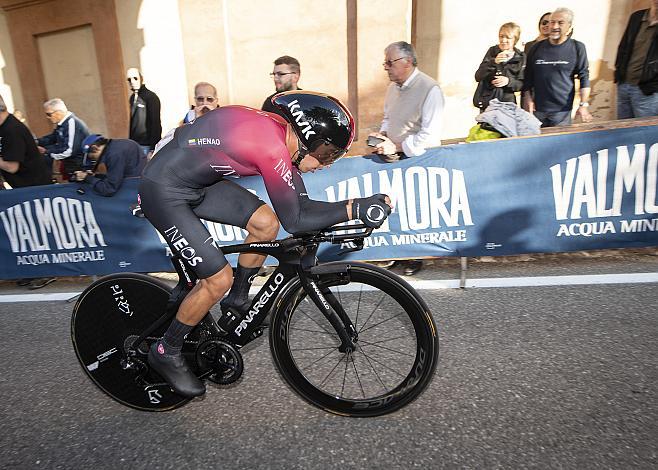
(175, 371)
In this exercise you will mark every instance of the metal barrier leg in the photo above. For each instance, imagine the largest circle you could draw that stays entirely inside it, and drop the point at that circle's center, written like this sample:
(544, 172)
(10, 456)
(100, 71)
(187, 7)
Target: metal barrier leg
(94, 278)
(464, 266)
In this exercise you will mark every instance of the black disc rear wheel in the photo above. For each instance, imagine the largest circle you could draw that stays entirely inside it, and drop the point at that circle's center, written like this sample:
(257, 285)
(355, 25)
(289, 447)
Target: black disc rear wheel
(109, 315)
(396, 349)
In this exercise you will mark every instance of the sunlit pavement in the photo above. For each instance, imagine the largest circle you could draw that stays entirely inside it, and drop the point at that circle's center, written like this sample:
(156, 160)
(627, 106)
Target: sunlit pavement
(554, 376)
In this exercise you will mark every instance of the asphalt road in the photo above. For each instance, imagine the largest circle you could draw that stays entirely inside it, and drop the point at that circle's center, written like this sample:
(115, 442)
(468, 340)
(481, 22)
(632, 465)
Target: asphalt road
(528, 377)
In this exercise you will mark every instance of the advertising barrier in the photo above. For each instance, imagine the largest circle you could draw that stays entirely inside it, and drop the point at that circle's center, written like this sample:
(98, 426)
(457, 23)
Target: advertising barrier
(554, 193)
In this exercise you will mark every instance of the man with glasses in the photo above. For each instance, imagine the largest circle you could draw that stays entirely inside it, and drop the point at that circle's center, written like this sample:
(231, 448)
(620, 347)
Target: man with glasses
(145, 124)
(413, 106)
(285, 75)
(413, 111)
(61, 148)
(205, 99)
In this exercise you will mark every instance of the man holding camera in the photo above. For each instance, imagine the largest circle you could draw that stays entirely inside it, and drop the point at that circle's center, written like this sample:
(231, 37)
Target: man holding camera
(413, 107)
(413, 110)
(108, 162)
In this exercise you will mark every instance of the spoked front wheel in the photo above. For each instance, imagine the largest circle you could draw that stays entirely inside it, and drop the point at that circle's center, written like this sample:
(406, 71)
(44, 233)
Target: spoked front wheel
(396, 347)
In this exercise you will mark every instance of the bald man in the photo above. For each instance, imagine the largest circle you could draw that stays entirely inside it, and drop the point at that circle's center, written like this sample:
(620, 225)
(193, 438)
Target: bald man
(205, 100)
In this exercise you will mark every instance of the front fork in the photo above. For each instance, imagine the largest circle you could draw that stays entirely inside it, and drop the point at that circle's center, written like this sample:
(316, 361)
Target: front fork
(332, 309)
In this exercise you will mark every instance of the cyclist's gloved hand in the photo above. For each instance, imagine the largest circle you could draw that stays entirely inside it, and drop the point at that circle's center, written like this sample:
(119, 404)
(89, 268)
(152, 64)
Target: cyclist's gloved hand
(371, 210)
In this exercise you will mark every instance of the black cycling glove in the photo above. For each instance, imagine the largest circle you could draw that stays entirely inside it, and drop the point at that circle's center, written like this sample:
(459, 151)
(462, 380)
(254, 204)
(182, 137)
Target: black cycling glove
(371, 210)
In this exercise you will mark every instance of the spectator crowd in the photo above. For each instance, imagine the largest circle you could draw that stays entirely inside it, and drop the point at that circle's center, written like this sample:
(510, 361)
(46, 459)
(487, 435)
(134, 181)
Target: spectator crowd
(541, 78)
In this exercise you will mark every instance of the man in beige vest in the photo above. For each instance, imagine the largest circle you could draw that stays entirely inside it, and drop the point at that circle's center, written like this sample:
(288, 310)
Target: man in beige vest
(413, 112)
(413, 107)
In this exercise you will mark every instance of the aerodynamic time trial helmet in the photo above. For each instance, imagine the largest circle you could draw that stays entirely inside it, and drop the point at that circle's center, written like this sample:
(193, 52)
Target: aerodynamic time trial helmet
(317, 118)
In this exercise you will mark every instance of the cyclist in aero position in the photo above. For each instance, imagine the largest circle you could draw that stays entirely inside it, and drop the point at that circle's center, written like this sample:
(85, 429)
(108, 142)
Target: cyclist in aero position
(189, 178)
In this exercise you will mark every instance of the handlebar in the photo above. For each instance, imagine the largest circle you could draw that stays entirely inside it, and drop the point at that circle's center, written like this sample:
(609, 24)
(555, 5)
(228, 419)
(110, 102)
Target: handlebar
(332, 235)
(354, 234)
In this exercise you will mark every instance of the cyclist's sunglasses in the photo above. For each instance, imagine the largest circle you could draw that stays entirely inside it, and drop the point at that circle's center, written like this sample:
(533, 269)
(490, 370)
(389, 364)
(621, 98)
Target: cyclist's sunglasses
(331, 155)
(336, 154)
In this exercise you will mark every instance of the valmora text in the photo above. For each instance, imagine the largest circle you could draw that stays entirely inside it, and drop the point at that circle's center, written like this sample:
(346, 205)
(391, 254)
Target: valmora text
(51, 223)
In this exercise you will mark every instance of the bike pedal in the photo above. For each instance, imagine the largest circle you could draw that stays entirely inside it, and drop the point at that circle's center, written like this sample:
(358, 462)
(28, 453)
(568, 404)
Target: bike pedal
(222, 331)
(266, 271)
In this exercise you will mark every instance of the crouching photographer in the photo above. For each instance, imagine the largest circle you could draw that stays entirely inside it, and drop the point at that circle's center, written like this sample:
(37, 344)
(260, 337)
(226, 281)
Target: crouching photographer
(107, 162)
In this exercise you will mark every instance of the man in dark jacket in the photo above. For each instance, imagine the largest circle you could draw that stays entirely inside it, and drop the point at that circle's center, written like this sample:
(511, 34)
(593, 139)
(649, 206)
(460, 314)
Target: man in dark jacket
(636, 67)
(111, 161)
(63, 143)
(145, 124)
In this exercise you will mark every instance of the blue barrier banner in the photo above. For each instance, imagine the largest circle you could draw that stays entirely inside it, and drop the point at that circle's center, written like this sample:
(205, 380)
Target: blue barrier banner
(553, 193)
(54, 231)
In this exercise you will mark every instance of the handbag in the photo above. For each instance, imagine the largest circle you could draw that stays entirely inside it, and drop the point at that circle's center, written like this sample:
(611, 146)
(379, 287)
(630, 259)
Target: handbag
(485, 93)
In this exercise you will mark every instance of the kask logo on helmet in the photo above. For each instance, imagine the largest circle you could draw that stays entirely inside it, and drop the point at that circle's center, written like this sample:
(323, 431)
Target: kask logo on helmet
(300, 119)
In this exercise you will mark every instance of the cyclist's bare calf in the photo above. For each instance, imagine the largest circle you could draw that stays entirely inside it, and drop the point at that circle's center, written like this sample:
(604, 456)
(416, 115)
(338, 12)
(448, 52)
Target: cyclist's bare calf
(204, 295)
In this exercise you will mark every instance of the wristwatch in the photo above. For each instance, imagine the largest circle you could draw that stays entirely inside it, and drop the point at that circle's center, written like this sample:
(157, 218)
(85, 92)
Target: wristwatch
(583, 104)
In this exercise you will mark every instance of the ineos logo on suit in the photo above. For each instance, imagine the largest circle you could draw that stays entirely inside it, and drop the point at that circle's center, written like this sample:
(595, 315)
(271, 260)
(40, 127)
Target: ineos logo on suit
(182, 246)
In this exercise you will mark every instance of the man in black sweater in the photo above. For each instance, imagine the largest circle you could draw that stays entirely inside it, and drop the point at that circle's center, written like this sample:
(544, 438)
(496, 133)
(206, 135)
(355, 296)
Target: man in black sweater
(21, 164)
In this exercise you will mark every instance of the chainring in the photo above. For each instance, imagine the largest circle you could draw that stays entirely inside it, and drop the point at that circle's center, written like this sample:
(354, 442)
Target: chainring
(219, 361)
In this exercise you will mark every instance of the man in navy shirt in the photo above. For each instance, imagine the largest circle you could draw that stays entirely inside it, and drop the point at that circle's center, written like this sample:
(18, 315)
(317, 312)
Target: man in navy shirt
(63, 143)
(552, 66)
(112, 161)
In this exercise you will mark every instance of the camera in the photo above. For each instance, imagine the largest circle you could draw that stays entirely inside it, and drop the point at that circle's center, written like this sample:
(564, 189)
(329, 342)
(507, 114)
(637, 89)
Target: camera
(373, 141)
(73, 179)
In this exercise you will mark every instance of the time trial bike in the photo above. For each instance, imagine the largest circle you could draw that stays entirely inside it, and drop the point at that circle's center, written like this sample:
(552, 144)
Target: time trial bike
(348, 337)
